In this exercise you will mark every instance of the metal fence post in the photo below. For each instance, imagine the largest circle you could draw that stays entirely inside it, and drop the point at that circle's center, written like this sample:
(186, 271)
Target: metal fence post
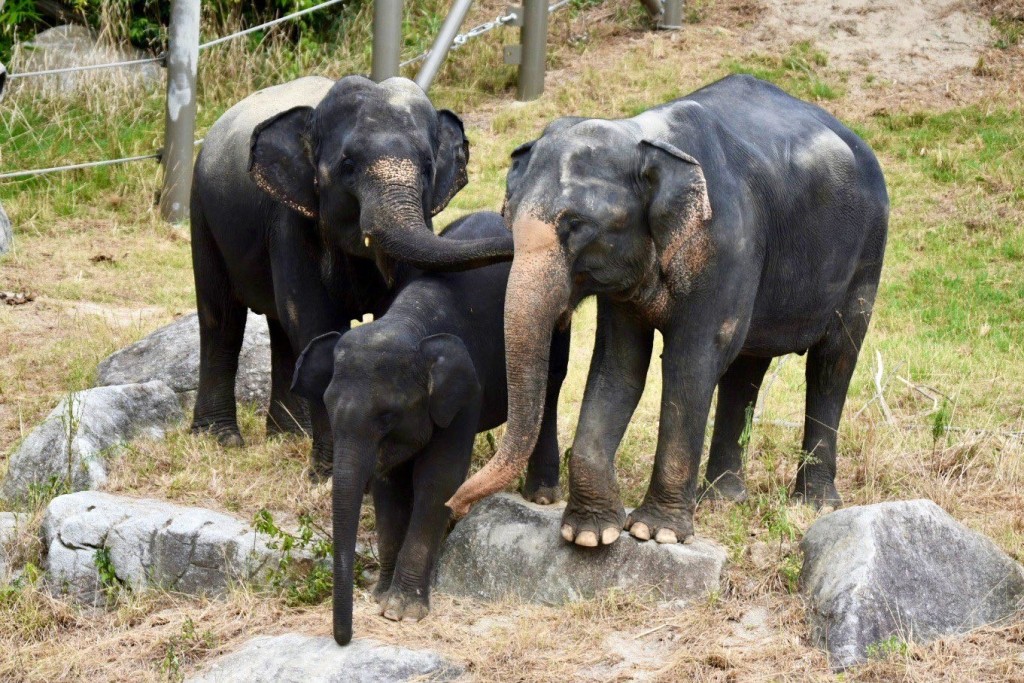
(387, 38)
(180, 118)
(443, 43)
(534, 40)
(673, 16)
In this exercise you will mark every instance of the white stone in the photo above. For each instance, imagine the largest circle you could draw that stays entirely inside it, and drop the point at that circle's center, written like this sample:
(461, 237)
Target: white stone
(171, 355)
(83, 431)
(296, 658)
(150, 543)
(508, 547)
(904, 570)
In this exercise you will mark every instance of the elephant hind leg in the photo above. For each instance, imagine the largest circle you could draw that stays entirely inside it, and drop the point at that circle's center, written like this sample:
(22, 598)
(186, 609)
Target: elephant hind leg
(221, 329)
(288, 413)
(737, 393)
(830, 366)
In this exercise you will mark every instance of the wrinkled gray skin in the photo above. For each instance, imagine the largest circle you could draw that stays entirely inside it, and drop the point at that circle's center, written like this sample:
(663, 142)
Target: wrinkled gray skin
(406, 395)
(740, 222)
(305, 198)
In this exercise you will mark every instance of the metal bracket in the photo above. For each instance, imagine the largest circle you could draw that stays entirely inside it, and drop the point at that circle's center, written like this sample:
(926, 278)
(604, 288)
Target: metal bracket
(514, 54)
(515, 11)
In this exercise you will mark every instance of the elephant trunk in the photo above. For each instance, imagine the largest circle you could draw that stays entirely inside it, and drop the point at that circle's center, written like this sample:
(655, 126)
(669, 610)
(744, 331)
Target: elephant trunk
(538, 294)
(352, 472)
(393, 219)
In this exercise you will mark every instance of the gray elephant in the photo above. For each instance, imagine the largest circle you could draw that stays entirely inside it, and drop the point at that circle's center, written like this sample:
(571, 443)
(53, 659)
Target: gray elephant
(305, 197)
(406, 395)
(740, 222)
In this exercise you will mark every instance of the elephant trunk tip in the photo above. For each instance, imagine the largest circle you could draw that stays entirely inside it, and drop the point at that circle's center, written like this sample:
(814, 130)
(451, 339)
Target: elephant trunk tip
(343, 635)
(495, 475)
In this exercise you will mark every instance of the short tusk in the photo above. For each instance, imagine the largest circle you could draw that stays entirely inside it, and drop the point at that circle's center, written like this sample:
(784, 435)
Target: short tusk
(366, 241)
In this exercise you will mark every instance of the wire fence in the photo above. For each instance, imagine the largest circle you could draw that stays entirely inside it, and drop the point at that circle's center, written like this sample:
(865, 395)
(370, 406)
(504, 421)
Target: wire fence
(459, 40)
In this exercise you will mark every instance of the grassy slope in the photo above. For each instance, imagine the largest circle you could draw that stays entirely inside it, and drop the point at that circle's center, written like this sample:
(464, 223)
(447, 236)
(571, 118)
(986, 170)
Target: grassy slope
(948, 322)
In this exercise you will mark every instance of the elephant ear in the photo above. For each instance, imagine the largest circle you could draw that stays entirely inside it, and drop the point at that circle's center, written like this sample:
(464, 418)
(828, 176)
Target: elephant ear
(521, 154)
(315, 367)
(280, 160)
(450, 173)
(453, 381)
(678, 208)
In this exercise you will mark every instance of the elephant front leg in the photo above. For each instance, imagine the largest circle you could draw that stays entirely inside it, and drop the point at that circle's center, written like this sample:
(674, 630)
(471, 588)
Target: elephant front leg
(622, 353)
(689, 375)
(392, 505)
(436, 474)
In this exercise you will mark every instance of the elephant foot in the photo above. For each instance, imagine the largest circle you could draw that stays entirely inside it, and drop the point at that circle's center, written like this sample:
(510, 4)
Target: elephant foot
(816, 494)
(543, 495)
(592, 526)
(227, 435)
(664, 526)
(727, 486)
(397, 605)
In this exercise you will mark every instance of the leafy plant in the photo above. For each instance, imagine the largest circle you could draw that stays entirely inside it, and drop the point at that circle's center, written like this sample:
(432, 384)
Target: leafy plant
(111, 584)
(883, 649)
(185, 647)
(303, 573)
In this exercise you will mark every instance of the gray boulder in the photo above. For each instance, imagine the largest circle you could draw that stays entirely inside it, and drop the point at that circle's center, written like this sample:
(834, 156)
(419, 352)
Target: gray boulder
(10, 526)
(171, 355)
(509, 547)
(85, 428)
(295, 658)
(74, 45)
(149, 543)
(904, 570)
(6, 233)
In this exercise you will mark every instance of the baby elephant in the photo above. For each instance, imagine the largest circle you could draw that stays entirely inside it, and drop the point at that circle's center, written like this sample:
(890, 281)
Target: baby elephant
(406, 395)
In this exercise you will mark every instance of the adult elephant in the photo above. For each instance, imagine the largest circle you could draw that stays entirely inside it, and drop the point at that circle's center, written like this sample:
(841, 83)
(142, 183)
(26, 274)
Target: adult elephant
(305, 196)
(740, 222)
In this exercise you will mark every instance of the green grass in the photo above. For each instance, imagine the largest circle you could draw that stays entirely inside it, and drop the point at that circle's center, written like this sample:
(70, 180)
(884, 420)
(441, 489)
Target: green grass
(799, 72)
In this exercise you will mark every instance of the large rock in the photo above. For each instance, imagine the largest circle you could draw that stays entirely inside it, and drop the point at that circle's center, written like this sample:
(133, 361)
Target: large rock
(10, 526)
(171, 355)
(74, 45)
(904, 570)
(83, 431)
(295, 658)
(149, 543)
(509, 547)
(6, 234)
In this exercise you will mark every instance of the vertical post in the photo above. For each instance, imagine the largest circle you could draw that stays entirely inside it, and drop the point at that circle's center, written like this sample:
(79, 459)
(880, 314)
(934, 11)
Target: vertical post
(534, 39)
(673, 16)
(443, 42)
(180, 116)
(387, 38)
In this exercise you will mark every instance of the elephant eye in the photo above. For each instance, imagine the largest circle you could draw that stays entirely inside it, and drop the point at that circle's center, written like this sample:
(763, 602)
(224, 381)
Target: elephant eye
(347, 164)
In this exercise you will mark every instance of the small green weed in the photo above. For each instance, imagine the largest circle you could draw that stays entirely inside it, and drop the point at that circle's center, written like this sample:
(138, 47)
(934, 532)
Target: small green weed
(303, 573)
(185, 647)
(891, 646)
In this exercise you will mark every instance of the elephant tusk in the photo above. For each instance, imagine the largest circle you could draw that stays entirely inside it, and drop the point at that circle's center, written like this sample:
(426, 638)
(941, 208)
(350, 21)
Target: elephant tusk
(366, 241)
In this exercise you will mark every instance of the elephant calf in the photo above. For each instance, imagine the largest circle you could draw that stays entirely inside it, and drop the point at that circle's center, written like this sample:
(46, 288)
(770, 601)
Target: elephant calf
(406, 395)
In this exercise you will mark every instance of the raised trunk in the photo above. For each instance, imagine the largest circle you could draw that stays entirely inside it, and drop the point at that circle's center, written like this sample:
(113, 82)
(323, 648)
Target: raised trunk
(537, 295)
(351, 476)
(393, 219)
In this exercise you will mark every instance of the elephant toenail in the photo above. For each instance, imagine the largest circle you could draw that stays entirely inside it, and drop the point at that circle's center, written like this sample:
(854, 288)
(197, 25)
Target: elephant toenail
(587, 539)
(567, 532)
(609, 536)
(641, 531)
(666, 536)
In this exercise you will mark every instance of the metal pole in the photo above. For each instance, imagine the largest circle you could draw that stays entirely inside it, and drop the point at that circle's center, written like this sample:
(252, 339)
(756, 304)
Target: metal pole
(180, 118)
(673, 17)
(387, 38)
(534, 39)
(443, 43)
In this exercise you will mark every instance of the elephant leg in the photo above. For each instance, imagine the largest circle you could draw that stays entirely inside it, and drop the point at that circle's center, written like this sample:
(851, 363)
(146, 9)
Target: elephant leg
(541, 484)
(691, 366)
(392, 505)
(618, 371)
(830, 366)
(287, 413)
(221, 329)
(737, 394)
(437, 473)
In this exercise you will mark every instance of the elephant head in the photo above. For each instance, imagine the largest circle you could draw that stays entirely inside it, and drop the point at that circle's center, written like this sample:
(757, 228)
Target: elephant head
(385, 399)
(372, 163)
(595, 208)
